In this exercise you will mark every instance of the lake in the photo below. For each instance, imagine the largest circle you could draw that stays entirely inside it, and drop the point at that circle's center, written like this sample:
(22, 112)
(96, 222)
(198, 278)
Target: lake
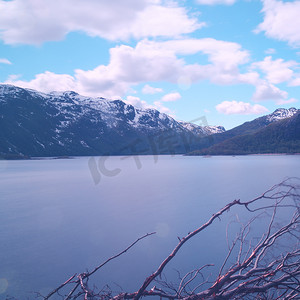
(63, 216)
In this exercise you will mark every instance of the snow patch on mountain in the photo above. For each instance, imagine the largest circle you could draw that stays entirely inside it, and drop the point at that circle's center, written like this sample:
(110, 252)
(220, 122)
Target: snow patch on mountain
(281, 113)
(214, 129)
(71, 107)
(203, 130)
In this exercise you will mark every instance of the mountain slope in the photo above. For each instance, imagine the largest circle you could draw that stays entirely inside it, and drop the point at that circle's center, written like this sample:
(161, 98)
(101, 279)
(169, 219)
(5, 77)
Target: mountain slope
(250, 127)
(59, 124)
(280, 136)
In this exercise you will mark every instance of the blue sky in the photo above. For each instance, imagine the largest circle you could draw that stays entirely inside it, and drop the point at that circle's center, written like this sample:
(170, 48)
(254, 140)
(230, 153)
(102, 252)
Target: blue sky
(228, 60)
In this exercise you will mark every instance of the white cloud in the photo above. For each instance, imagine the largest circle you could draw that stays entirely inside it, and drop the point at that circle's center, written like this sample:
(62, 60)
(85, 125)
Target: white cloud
(147, 89)
(184, 82)
(288, 101)
(224, 59)
(46, 82)
(295, 81)
(129, 66)
(151, 61)
(270, 51)
(250, 78)
(171, 97)
(277, 70)
(213, 2)
(241, 108)
(137, 102)
(5, 61)
(34, 22)
(226, 55)
(266, 91)
(13, 77)
(160, 107)
(157, 20)
(281, 21)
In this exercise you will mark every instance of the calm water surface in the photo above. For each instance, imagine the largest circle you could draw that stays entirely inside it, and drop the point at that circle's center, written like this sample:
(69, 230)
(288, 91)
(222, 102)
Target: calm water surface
(57, 219)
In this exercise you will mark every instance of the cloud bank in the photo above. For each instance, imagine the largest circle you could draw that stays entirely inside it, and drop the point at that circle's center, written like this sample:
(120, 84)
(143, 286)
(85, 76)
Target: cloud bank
(213, 2)
(35, 22)
(147, 89)
(5, 61)
(281, 21)
(151, 61)
(241, 108)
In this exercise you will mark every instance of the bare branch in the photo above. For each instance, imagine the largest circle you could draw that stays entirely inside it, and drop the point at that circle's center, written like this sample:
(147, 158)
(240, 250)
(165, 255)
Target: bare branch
(82, 276)
(264, 267)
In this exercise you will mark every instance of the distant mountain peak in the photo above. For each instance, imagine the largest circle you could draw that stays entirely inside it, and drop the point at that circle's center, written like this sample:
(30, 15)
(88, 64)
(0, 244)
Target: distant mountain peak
(204, 130)
(281, 113)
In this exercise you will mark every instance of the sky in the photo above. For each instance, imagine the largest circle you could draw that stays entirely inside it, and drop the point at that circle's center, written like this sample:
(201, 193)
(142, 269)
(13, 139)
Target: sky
(229, 61)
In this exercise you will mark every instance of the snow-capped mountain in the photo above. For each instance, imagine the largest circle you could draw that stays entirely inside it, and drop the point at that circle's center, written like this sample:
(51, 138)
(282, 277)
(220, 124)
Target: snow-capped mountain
(66, 123)
(281, 113)
(248, 128)
(281, 135)
(202, 130)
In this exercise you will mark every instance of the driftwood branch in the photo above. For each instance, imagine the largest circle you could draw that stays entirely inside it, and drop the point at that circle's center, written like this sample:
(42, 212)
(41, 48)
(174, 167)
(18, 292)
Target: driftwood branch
(266, 267)
(83, 276)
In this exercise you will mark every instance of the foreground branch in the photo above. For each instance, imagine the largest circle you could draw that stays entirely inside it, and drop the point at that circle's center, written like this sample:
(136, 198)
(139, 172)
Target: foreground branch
(84, 276)
(264, 268)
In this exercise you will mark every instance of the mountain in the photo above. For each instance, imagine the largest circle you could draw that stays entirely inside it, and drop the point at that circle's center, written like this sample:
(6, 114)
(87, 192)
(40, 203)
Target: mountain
(278, 132)
(68, 124)
(35, 124)
(202, 130)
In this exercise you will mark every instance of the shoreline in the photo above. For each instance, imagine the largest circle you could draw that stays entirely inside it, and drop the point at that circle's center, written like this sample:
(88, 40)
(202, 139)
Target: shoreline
(14, 158)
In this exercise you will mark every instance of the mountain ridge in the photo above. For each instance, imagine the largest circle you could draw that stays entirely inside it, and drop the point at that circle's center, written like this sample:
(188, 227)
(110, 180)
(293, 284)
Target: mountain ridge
(36, 124)
(66, 123)
(280, 135)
